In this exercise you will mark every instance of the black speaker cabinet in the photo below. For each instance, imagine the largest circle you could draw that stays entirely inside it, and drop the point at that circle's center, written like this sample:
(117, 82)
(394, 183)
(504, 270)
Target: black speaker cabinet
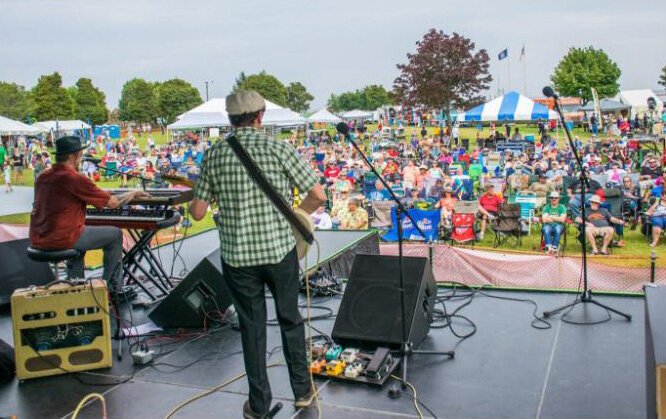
(18, 271)
(370, 313)
(203, 290)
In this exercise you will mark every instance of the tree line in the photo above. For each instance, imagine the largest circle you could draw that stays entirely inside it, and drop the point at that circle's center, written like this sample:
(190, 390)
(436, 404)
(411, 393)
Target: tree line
(445, 72)
(49, 100)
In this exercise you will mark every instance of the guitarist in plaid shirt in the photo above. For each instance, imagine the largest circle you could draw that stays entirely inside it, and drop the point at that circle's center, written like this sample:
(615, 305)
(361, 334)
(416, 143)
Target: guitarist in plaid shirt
(257, 243)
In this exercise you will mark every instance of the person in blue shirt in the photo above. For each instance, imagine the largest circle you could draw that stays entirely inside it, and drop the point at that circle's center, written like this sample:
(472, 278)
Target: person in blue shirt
(379, 194)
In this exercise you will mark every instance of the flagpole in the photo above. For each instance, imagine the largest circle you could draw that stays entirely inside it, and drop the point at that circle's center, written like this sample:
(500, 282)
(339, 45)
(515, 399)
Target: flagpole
(524, 57)
(508, 70)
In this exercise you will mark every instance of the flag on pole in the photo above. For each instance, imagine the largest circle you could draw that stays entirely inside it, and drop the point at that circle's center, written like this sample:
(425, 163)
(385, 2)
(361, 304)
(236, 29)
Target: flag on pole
(522, 53)
(503, 54)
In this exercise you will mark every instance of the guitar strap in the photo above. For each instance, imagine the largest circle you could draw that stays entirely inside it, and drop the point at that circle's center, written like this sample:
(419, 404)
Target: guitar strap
(258, 177)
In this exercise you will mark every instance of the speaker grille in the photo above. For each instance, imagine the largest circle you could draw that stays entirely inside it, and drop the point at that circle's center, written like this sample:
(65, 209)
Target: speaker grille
(370, 312)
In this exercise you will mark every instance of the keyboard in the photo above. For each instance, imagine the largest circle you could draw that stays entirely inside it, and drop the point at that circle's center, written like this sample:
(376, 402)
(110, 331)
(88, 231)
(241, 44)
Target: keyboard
(160, 196)
(137, 219)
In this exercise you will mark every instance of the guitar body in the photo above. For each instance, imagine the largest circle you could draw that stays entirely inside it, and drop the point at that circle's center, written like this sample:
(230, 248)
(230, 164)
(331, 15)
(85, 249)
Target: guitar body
(301, 244)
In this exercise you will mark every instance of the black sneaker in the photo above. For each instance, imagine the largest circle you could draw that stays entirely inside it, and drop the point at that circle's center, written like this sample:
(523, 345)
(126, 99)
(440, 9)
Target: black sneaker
(248, 413)
(305, 401)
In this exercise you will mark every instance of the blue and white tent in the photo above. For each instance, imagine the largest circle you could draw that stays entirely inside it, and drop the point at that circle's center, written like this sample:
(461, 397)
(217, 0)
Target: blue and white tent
(511, 107)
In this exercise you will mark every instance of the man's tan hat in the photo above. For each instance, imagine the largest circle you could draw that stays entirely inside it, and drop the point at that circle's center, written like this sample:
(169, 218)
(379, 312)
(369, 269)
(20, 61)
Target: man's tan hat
(244, 101)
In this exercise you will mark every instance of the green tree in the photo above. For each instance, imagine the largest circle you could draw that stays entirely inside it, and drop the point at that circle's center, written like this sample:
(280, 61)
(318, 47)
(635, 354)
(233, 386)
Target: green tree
(240, 79)
(375, 96)
(90, 102)
(138, 101)
(662, 78)
(369, 98)
(52, 101)
(15, 102)
(298, 97)
(583, 68)
(346, 101)
(175, 97)
(266, 85)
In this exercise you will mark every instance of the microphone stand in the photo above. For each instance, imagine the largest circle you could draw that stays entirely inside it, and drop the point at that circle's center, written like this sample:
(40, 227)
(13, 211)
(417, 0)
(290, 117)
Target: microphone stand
(586, 294)
(406, 347)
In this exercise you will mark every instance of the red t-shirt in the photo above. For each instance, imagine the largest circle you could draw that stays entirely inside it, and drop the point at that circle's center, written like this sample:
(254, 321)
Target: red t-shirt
(331, 172)
(59, 210)
(490, 202)
(465, 158)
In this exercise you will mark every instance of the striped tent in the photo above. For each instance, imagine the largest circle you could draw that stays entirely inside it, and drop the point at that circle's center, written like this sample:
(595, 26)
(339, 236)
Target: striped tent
(511, 107)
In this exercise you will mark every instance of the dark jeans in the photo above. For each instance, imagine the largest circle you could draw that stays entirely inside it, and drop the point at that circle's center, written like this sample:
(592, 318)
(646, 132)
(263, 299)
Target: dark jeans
(246, 286)
(110, 240)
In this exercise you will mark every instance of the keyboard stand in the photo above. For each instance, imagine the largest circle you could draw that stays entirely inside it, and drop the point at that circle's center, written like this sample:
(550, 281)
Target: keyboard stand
(152, 270)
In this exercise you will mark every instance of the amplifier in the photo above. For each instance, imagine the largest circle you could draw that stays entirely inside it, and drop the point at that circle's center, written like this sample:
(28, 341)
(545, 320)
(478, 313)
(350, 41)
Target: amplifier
(61, 328)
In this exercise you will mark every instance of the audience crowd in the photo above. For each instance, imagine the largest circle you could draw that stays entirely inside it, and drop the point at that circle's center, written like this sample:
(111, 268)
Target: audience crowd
(426, 169)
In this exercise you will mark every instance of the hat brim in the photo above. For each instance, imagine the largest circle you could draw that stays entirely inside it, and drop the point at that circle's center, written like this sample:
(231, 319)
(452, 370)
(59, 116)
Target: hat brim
(81, 147)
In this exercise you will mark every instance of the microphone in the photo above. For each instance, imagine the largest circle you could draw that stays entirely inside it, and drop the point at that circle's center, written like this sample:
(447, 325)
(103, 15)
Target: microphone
(549, 92)
(91, 158)
(342, 128)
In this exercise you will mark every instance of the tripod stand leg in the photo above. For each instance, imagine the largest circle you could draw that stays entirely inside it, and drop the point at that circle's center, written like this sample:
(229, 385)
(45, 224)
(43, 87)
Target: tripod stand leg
(612, 310)
(564, 307)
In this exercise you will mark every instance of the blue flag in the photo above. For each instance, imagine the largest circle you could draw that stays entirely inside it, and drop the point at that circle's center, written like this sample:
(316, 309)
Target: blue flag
(503, 54)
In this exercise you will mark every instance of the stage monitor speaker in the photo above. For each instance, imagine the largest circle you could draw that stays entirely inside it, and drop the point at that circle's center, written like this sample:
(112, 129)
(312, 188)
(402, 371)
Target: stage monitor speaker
(203, 290)
(18, 271)
(370, 313)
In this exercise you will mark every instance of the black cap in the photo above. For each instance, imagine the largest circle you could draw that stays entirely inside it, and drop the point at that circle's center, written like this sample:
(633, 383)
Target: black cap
(68, 145)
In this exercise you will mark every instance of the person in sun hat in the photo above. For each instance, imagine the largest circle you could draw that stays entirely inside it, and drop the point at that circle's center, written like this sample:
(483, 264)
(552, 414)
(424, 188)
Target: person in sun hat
(599, 222)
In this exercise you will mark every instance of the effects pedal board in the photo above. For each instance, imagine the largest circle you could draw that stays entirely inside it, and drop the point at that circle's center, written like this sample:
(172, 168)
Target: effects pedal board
(351, 364)
(61, 328)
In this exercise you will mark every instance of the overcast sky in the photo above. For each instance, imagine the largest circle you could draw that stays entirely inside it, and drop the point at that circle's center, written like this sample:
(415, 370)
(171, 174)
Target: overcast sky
(330, 46)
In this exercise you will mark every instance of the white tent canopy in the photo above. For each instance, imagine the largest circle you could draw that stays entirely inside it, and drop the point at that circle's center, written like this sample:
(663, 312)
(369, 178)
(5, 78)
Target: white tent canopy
(357, 114)
(324, 116)
(638, 100)
(11, 127)
(62, 126)
(214, 114)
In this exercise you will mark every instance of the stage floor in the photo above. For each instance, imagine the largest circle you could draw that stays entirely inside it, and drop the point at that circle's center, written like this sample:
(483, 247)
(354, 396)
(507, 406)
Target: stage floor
(507, 369)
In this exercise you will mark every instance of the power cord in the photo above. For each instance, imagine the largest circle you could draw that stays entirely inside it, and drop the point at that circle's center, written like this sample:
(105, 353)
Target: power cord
(415, 398)
(87, 398)
(309, 321)
(538, 322)
(212, 390)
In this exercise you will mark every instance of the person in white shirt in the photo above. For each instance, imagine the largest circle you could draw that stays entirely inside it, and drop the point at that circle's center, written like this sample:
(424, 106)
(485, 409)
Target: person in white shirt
(321, 219)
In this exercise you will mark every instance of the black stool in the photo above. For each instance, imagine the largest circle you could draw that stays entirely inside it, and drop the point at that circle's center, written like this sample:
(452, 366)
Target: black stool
(54, 258)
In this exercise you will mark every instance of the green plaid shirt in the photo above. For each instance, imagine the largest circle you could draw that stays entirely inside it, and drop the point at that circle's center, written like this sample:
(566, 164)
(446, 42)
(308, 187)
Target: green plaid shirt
(252, 231)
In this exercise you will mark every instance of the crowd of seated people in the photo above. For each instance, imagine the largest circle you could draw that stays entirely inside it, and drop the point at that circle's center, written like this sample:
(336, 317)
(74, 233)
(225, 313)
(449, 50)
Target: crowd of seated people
(124, 158)
(426, 173)
(430, 169)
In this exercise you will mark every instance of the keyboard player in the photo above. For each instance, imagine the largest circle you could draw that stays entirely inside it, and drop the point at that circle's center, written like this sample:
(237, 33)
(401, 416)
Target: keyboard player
(59, 212)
